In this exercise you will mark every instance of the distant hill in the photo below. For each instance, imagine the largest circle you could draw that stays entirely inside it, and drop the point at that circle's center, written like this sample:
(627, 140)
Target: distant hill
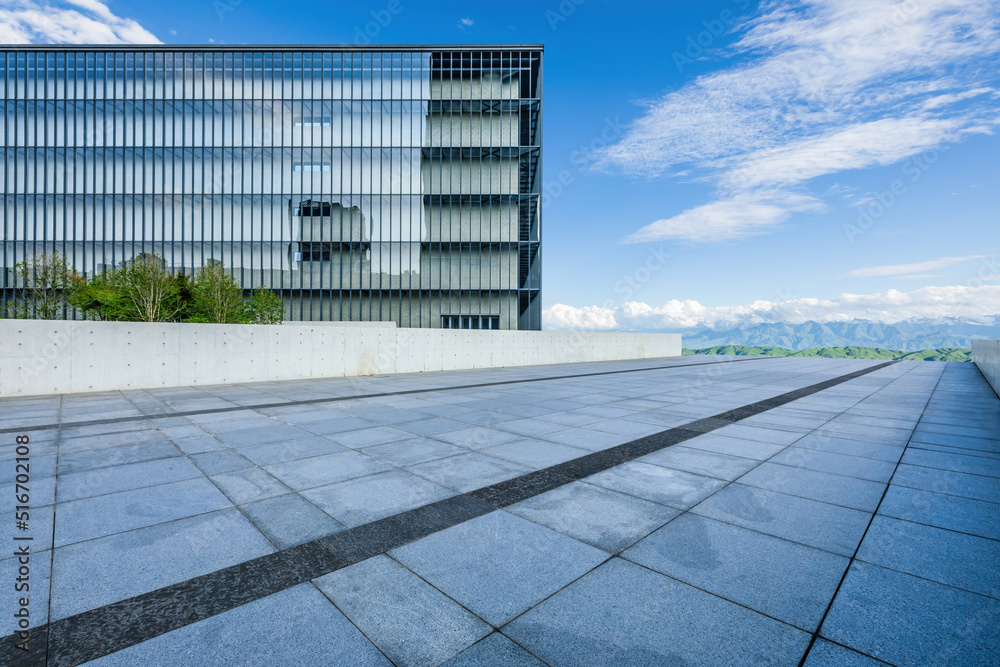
(912, 336)
(939, 354)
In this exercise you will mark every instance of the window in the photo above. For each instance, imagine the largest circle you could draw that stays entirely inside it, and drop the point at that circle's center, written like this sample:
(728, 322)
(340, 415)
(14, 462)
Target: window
(311, 166)
(314, 121)
(313, 252)
(470, 321)
(313, 208)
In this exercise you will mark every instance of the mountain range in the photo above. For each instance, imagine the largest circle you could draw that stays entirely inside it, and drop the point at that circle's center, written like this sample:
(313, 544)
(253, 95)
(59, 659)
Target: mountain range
(939, 354)
(911, 336)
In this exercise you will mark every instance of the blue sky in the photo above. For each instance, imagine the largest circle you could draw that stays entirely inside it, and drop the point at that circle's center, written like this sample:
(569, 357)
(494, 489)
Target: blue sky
(706, 164)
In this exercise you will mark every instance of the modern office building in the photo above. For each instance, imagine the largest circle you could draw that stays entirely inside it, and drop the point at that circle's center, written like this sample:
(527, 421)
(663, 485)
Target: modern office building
(361, 183)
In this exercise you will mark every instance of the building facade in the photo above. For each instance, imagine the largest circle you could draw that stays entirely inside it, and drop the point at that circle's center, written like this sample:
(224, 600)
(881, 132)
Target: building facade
(378, 184)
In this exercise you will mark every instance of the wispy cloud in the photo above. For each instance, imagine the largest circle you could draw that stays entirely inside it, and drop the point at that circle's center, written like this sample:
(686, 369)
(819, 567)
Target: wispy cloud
(823, 86)
(741, 215)
(466, 23)
(68, 22)
(909, 270)
(973, 303)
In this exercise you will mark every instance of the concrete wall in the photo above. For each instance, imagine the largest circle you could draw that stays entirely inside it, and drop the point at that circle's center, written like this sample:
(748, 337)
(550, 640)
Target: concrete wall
(986, 355)
(47, 357)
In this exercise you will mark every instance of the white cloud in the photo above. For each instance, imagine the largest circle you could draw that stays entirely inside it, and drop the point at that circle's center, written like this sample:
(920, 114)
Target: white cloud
(742, 215)
(908, 269)
(874, 144)
(825, 86)
(68, 22)
(973, 303)
(465, 23)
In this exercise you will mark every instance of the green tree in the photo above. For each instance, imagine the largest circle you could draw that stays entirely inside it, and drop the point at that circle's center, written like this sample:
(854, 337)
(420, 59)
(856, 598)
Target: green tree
(149, 291)
(264, 307)
(216, 297)
(100, 298)
(185, 290)
(47, 285)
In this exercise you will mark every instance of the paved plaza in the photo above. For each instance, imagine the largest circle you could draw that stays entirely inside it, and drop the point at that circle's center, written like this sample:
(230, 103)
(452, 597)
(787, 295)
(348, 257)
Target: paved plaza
(688, 511)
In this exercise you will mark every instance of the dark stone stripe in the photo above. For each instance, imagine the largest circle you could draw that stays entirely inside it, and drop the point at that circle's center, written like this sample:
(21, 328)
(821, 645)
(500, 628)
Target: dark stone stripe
(334, 399)
(504, 494)
(377, 537)
(98, 632)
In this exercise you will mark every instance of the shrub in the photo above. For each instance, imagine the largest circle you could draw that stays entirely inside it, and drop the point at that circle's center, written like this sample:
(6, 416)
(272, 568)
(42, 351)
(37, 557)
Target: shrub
(264, 307)
(47, 286)
(149, 291)
(99, 298)
(216, 297)
(140, 290)
(185, 291)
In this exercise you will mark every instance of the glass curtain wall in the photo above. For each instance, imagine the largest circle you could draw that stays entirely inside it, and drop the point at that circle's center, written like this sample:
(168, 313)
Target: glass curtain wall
(397, 184)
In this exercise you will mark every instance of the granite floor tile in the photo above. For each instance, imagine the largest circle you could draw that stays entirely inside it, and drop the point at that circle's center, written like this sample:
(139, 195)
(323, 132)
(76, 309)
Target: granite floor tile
(498, 565)
(828, 654)
(323, 470)
(860, 494)
(74, 486)
(366, 437)
(535, 453)
(86, 519)
(412, 451)
(220, 461)
(661, 485)
(781, 579)
(771, 436)
(605, 519)
(829, 527)
(571, 418)
(876, 434)
(838, 464)
(951, 512)
(700, 462)
(281, 452)
(624, 614)
(336, 425)
(247, 486)
(373, 497)
(92, 574)
(905, 620)
(494, 650)
(948, 449)
(968, 442)
(466, 472)
(272, 432)
(433, 426)
(141, 436)
(974, 465)
(478, 437)
(951, 558)
(625, 427)
(199, 444)
(837, 445)
(586, 438)
(290, 520)
(409, 620)
(529, 427)
(720, 444)
(951, 483)
(115, 456)
(246, 636)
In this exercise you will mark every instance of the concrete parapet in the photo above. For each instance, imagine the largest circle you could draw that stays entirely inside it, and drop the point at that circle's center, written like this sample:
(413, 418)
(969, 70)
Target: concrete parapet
(986, 355)
(54, 357)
